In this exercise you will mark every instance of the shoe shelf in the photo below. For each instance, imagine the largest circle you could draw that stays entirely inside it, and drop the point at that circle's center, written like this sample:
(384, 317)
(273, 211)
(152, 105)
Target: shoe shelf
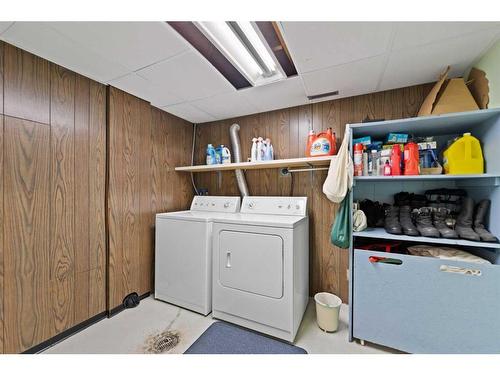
(485, 179)
(382, 234)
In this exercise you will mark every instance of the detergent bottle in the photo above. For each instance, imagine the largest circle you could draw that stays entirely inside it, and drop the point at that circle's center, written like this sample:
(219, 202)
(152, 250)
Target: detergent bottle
(322, 144)
(396, 160)
(411, 159)
(333, 138)
(310, 139)
(218, 155)
(464, 156)
(225, 155)
(210, 154)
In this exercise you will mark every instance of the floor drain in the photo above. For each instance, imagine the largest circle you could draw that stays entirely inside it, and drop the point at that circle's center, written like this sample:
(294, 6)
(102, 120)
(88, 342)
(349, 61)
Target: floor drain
(162, 342)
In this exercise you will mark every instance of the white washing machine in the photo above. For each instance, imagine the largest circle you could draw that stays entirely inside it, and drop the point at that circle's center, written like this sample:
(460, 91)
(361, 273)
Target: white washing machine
(261, 265)
(183, 252)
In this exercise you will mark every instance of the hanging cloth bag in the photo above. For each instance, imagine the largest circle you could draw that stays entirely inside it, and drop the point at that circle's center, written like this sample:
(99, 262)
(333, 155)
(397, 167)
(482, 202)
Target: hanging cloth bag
(340, 174)
(341, 229)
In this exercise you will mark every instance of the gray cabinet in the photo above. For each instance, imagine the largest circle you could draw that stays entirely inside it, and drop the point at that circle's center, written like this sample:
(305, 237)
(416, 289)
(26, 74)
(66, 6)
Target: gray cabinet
(417, 305)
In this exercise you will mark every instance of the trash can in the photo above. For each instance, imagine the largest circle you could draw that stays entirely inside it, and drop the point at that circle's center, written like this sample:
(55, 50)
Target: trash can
(327, 311)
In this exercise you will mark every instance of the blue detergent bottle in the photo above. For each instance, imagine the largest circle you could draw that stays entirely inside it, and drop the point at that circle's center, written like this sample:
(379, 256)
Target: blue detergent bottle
(211, 158)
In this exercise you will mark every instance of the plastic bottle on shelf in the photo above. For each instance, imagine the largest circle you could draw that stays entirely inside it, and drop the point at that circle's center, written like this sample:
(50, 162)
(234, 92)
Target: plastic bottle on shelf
(260, 149)
(333, 141)
(387, 169)
(396, 160)
(211, 159)
(365, 163)
(374, 160)
(411, 159)
(464, 156)
(225, 155)
(218, 155)
(253, 152)
(310, 139)
(358, 159)
(269, 152)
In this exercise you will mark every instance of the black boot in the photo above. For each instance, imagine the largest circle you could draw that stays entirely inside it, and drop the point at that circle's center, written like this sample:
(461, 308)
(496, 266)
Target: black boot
(402, 199)
(482, 209)
(424, 223)
(439, 217)
(406, 223)
(464, 221)
(391, 224)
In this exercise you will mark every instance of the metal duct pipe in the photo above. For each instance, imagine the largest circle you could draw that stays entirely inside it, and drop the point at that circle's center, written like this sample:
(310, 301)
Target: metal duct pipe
(235, 143)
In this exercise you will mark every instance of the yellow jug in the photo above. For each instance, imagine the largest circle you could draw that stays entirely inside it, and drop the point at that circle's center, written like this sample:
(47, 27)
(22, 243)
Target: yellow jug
(464, 156)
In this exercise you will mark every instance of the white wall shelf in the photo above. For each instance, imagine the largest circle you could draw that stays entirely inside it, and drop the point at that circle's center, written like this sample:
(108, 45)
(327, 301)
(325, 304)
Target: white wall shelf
(319, 161)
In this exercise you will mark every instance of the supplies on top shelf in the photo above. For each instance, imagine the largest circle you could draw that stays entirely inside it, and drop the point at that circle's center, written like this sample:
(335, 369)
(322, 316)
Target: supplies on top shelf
(322, 144)
(219, 155)
(262, 149)
(402, 154)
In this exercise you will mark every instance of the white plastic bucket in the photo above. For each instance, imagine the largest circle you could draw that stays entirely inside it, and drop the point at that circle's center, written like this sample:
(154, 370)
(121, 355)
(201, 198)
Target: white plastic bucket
(327, 311)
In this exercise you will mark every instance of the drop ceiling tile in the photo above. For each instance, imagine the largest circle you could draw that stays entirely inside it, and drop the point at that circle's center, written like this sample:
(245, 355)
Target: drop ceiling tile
(132, 44)
(188, 76)
(149, 91)
(41, 40)
(414, 66)
(227, 105)
(350, 79)
(411, 34)
(282, 94)
(188, 112)
(4, 26)
(317, 45)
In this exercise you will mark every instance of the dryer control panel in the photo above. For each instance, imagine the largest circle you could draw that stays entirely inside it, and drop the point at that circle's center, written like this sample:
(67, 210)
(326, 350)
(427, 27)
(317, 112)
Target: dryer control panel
(296, 206)
(215, 204)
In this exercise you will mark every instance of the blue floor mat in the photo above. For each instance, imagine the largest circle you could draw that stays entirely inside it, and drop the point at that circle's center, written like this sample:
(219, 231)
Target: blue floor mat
(226, 338)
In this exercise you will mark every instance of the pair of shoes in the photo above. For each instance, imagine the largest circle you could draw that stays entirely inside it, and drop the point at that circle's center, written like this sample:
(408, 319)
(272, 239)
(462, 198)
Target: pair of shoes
(404, 198)
(374, 212)
(431, 222)
(398, 221)
(465, 221)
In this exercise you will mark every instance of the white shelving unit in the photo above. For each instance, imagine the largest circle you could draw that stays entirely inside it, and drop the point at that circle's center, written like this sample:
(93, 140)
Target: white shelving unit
(417, 304)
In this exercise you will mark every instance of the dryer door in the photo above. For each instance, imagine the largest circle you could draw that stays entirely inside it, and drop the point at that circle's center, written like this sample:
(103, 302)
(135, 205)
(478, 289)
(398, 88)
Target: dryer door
(251, 262)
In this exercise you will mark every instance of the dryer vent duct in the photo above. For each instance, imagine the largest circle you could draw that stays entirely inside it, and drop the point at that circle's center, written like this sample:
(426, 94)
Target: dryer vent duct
(235, 144)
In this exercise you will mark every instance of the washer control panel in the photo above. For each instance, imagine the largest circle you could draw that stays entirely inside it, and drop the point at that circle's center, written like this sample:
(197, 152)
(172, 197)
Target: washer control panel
(275, 205)
(215, 203)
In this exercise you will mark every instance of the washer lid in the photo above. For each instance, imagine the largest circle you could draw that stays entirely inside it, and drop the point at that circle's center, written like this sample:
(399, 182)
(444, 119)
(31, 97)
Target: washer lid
(279, 221)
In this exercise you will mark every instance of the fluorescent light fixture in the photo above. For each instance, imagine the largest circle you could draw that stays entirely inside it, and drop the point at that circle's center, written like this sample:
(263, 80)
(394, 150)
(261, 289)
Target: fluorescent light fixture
(244, 46)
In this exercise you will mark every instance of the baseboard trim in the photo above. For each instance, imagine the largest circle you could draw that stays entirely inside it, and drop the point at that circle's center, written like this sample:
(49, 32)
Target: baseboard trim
(65, 334)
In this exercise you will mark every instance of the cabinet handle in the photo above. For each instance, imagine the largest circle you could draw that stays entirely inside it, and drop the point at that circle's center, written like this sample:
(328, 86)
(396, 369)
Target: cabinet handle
(460, 270)
(228, 259)
(375, 259)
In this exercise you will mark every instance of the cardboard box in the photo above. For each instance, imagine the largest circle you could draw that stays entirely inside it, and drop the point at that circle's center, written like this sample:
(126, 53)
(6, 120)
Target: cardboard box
(448, 96)
(479, 87)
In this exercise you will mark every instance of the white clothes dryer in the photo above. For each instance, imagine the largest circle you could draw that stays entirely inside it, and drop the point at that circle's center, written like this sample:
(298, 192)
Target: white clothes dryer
(261, 265)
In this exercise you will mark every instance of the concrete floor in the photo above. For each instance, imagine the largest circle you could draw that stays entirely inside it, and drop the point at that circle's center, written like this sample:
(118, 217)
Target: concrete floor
(130, 331)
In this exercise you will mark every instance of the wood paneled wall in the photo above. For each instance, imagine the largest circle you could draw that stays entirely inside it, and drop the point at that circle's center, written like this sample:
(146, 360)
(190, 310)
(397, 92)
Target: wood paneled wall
(53, 181)
(288, 129)
(144, 145)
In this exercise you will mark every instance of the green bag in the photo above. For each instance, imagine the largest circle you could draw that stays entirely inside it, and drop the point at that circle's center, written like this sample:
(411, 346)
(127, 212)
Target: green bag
(341, 229)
